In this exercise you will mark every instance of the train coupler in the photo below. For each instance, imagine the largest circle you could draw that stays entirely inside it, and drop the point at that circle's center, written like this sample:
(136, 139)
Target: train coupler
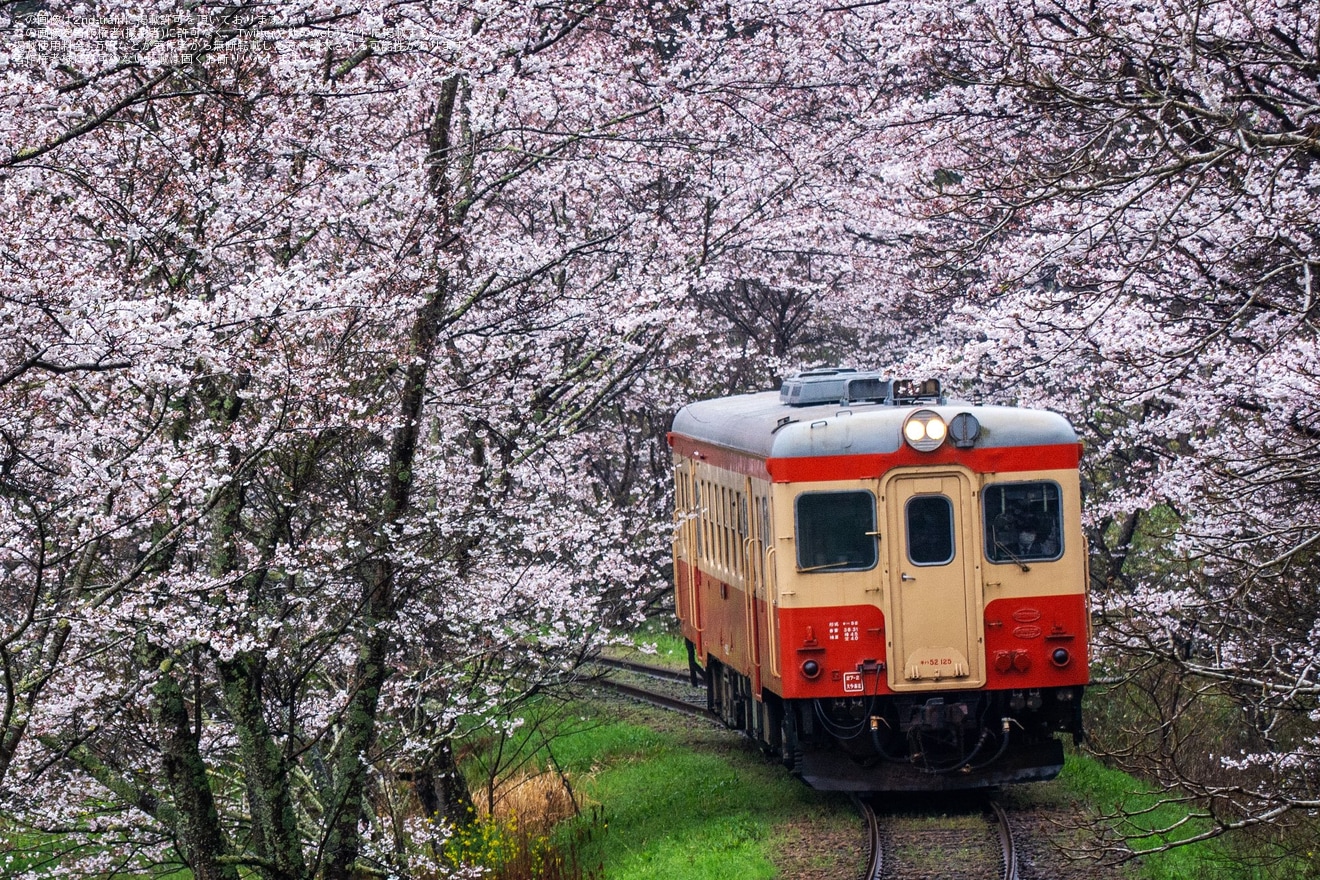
(935, 714)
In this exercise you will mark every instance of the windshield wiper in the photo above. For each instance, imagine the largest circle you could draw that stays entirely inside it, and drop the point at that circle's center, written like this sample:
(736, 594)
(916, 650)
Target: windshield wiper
(1022, 565)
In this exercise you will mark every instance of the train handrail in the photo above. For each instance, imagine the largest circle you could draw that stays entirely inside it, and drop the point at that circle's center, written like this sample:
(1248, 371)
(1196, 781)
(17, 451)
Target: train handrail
(771, 597)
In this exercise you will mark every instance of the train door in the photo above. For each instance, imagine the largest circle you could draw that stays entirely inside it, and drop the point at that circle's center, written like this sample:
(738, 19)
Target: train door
(753, 566)
(689, 546)
(935, 627)
(769, 581)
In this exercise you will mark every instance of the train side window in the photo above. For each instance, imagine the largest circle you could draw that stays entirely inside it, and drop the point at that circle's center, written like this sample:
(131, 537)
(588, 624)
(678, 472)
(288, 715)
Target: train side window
(682, 509)
(703, 541)
(726, 557)
(930, 530)
(743, 534)
(835, 531)
(1023, 522)
(717, 516)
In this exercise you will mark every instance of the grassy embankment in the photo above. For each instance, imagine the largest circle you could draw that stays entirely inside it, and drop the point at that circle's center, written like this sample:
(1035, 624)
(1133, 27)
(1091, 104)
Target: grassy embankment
(666, 797)
(683, 803)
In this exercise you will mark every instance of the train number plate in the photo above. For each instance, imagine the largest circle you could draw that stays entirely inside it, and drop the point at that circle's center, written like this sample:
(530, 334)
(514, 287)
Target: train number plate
(852, 683)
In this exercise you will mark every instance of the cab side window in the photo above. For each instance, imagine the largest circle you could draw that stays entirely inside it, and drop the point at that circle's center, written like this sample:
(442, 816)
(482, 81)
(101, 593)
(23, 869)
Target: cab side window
(1023, 522)
(835, 531)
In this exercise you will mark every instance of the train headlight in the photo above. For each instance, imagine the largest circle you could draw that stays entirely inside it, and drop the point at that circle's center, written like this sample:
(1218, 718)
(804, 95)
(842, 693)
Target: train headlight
(924, 430)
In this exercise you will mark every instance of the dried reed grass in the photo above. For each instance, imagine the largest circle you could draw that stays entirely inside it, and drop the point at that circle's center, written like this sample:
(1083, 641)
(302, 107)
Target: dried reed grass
(537, 801)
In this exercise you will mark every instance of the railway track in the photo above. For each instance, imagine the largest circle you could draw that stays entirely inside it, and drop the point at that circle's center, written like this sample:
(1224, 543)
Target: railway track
(920, 842)
(923, 846)
(660, 673)
(680, 694)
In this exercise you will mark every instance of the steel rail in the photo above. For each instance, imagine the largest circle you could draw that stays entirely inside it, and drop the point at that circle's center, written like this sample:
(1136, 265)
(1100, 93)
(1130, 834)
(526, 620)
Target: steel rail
(665, 702)
(682, 676)
(875, 865)
(875, 861)
(1005, 841)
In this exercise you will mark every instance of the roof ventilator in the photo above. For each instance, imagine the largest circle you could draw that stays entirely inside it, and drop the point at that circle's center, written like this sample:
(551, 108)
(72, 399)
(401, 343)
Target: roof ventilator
(845, 385)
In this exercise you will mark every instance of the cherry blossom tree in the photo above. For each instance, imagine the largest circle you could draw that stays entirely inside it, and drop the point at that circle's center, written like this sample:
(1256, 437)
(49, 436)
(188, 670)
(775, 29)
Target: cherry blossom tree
(1119, 205)
(279, 524)
(326, 320)
(341, 340)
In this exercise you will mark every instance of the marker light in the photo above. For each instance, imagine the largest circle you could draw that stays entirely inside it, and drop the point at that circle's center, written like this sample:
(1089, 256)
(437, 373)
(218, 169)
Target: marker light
(925, 430)
(965, 430)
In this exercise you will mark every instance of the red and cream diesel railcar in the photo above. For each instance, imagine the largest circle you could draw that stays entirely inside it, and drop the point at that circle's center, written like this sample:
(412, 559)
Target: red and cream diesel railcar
(887, 589)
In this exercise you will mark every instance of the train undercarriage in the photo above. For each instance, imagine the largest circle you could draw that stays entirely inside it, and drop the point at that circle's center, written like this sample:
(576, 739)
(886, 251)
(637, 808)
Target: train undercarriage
(919, 742)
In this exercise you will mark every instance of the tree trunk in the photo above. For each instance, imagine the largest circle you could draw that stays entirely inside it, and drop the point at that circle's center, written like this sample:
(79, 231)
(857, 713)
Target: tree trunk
(343, 841)
(379, 608)
(274, 824)
(197, 830)
(442, 790)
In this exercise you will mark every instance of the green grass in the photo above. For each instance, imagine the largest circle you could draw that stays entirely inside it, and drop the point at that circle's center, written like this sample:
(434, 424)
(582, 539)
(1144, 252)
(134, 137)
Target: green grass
(666, 797)
(690, 803)
(49, 854)
(684, 805)
(658, 641)
(1109, 792)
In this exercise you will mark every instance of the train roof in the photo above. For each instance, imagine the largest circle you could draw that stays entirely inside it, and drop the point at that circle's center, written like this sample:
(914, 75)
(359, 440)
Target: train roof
(762, 425)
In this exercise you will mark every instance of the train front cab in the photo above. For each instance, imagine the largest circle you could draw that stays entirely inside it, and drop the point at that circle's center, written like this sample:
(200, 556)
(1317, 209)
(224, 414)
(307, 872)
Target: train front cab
(923, 630)
(951, 661)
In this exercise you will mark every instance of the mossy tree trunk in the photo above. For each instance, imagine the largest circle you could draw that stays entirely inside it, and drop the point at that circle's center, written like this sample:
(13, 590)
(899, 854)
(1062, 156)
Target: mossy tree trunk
(197, 829)
(275, 834)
